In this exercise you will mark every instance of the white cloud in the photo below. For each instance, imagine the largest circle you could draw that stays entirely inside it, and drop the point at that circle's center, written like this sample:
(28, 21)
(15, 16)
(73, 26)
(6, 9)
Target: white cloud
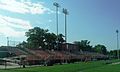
(14, 22)
(10, 26)
(10, 32)
(24, 6)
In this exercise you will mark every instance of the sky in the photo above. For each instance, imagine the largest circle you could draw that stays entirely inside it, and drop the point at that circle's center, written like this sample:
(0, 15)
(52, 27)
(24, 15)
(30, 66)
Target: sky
(93, 20)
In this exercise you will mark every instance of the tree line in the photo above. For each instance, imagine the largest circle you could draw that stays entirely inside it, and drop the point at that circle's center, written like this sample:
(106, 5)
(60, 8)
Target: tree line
(42, 38)
(84, 45)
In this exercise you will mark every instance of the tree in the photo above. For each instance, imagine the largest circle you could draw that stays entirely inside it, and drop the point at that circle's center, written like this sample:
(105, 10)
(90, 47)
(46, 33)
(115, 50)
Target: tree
(113, 53)
(60, 38)
(60, 41)
(83, 45)
(100, 49)
(40, 38)
(36, 37)
(50, 40)
(23, 45)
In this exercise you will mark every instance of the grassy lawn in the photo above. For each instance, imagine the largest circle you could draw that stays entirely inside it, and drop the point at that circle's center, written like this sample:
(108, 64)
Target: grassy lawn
(108, 68)
(97, 66)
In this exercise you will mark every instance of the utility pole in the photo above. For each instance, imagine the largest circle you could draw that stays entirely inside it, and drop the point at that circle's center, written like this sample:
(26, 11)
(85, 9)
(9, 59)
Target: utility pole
(117, 44)
(57, 6)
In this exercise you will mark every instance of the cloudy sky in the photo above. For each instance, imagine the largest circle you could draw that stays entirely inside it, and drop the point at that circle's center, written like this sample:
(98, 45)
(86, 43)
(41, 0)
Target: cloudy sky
(17, 16)
(94, 20)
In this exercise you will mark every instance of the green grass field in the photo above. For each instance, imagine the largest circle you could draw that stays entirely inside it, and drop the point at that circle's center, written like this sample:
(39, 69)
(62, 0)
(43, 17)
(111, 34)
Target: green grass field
(97, 66)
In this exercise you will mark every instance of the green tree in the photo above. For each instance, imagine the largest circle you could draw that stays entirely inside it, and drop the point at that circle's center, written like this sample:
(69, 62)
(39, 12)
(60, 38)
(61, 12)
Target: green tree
(60, 41)
(113, 53)
(84, 45)
(22, 45)
(100, 49)
(61, 38)
(41, 38)
(50, 40)
(36, 37)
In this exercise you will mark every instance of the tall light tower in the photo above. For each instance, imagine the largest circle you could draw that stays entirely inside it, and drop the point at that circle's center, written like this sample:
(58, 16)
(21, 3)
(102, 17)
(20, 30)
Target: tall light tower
(117, 44)
(7, 41)
(65, 11)
(57, 6)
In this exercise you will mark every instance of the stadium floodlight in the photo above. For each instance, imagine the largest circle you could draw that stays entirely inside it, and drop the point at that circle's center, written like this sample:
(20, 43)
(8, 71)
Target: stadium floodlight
(65, 11)
(117, 44)
(57, 6)
(7, 41)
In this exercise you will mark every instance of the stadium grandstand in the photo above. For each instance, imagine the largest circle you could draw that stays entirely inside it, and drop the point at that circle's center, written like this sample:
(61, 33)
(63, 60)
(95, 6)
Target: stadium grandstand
(25, 56)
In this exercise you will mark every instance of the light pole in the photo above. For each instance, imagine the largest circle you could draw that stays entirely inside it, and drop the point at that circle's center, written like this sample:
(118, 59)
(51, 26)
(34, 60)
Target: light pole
(57, 6)
(117, 44)
(65, 11)
(7, 41)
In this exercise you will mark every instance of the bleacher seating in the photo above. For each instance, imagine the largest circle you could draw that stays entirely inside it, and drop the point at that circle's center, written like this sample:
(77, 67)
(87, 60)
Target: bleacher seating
(36, 56)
